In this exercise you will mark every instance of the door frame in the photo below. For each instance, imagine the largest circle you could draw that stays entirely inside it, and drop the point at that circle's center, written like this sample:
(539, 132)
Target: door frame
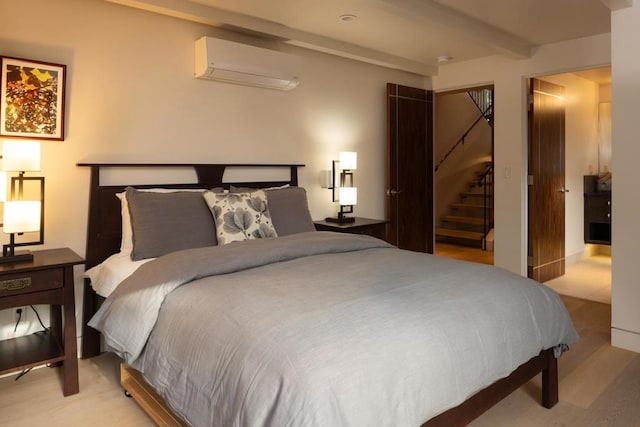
(445, 92)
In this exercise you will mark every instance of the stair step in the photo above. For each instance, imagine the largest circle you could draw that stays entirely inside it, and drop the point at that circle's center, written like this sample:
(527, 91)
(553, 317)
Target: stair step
(462, 219)
(469, 206)
(475, 183)
(472, 194)
(459, 234)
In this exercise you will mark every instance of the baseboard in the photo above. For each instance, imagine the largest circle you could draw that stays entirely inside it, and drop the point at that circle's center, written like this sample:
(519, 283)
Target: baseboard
(593, 249)
(625, 339)
(589, 251)
(572, 259)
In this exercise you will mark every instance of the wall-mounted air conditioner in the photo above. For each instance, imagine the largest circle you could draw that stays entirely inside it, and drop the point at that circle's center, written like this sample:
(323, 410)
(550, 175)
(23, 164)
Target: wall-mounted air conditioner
(243, 64)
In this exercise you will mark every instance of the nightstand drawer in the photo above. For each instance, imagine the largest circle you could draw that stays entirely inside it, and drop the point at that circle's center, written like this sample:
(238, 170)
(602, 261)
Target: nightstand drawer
(33, 281)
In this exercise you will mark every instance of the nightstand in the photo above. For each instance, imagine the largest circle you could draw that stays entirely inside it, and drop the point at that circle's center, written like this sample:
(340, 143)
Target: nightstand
(371, 227)
(48, 279)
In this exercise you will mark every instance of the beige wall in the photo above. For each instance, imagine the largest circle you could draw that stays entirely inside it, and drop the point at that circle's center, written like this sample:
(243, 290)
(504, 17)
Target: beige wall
(625, 61)
(510, 132)
(131, 97)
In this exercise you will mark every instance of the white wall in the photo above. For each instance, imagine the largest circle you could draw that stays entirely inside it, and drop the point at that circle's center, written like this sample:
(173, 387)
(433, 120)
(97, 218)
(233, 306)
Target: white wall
(131, 97)
(625, 62)
(510, 132)
(581, 153)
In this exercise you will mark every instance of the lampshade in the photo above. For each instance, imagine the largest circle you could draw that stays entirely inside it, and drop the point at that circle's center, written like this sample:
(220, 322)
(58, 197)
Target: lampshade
(348, 160)
(21, 216)
(348, 196)
(21, 156)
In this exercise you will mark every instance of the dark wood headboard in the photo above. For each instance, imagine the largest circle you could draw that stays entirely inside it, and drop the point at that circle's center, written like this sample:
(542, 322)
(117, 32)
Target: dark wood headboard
(104, 228)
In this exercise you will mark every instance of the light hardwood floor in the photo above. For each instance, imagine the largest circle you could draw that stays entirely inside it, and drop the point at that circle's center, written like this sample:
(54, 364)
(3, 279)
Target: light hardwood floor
(464, 253)
(36, 398)
(599, 386)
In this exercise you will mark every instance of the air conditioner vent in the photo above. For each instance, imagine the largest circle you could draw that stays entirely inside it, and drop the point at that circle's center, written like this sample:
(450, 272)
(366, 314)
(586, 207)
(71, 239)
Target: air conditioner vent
(243, 64)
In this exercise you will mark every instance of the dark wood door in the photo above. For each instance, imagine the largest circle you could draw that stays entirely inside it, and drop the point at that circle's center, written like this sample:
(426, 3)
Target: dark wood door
(546, 181)
(410, 168)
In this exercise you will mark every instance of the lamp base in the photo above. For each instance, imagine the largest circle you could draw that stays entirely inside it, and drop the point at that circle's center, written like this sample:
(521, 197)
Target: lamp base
(19, 257)
(341, 220)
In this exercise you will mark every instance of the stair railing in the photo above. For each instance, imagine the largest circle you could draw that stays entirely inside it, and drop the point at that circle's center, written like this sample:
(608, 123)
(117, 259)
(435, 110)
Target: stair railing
(483, 99)
(487, 203)
(462, 138)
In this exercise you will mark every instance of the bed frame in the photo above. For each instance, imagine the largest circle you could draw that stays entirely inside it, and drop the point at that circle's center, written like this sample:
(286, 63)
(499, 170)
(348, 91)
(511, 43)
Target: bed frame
(103, 240)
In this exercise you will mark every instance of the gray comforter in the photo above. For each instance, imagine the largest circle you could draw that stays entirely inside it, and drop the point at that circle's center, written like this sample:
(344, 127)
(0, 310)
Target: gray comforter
(325, 329)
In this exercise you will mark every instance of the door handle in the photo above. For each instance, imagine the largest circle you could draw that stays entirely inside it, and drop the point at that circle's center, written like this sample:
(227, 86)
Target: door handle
(393, 192)
(564, 190)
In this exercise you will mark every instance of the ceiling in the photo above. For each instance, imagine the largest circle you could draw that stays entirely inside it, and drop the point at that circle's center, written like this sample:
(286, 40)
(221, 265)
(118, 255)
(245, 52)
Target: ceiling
(405, 34)
(598, 75)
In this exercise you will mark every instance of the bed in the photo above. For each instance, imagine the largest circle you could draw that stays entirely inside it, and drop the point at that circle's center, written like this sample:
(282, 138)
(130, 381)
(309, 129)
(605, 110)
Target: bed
(310, 328)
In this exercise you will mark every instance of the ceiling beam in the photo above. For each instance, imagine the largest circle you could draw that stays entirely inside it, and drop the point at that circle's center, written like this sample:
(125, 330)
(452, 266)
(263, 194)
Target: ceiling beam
(617, 4)
(432, 12)
(202, 14)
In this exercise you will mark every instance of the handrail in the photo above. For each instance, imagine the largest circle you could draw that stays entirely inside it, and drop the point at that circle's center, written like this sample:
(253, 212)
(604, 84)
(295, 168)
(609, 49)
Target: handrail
(462, 138)
(487, 217)
(483, 100)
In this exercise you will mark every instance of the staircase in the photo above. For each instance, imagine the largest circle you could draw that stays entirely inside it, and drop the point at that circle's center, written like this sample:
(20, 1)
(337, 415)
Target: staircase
(470, 218)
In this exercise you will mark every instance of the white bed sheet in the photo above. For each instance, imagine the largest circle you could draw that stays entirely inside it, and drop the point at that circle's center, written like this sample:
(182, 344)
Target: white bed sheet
(106, 277)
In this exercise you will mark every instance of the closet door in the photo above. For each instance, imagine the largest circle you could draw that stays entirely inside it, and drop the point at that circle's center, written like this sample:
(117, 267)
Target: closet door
(410, 168)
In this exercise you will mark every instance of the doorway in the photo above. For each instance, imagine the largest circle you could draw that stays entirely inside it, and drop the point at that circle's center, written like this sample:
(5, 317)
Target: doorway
(463, 174)
(587, 153)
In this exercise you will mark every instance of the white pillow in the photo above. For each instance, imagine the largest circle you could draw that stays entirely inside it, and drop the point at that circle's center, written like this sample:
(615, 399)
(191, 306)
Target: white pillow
(240, 216)
(106, 277)
(126, 245)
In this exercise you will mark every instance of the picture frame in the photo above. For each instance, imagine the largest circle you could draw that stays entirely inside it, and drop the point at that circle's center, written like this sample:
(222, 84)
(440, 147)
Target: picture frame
(32, 99)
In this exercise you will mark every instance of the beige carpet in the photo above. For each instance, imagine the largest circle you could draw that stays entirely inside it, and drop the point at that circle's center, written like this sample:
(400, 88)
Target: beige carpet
(589, 278)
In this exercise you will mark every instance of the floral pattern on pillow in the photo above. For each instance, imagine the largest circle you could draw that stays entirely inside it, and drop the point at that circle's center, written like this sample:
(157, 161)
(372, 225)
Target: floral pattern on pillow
(240, 216)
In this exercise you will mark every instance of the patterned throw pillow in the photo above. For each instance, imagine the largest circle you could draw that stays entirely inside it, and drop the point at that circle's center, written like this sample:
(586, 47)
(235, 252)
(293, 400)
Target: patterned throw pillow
(240, 216)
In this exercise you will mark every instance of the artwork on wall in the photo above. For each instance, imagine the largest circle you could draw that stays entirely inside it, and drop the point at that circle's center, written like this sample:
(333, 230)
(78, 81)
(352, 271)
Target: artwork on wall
(32, 99)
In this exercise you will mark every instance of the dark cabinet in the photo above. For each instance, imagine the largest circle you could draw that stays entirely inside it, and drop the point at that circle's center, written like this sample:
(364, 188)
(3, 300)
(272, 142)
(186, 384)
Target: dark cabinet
(597, 218)
(48, 279)
(371, 227)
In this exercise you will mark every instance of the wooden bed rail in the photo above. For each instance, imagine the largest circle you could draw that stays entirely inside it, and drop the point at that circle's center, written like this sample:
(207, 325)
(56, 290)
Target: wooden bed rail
(480, 402)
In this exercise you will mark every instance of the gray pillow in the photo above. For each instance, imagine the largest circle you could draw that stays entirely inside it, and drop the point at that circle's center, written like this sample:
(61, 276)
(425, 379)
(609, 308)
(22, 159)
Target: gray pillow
(166, 222)
(289, 210)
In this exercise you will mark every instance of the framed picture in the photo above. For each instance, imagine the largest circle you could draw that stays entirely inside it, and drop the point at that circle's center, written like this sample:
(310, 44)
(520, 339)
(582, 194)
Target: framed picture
(32, 99)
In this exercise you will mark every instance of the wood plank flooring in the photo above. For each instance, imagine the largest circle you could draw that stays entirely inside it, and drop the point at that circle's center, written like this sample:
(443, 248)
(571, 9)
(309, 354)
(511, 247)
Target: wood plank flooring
(599, 386)
(464, 253)
(36, 398)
